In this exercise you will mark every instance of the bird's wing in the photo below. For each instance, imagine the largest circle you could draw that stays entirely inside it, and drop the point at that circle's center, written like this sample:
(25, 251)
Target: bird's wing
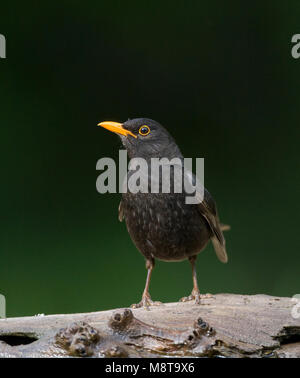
(207, 208)
(121, 212)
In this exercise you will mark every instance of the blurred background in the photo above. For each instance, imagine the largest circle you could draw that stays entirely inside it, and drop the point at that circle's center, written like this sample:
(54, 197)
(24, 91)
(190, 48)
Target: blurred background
(219, 75)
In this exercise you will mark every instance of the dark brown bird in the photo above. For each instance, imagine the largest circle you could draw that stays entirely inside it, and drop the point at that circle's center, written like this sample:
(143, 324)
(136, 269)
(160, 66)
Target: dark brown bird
(162, 225)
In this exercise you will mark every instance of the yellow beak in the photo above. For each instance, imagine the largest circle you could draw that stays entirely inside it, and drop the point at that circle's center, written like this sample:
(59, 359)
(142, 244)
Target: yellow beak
(116, 127)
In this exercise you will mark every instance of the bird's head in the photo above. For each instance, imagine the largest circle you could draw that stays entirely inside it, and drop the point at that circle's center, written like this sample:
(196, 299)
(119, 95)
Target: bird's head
(143, 137)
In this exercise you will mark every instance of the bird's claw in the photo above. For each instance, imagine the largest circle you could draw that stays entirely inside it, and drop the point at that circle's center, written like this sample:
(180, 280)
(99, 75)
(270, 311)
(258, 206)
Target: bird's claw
(190, 298)
(195, 295)
(146, 302)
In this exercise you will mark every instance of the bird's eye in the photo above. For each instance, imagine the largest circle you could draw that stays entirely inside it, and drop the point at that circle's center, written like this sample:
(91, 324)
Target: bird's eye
(144, 130)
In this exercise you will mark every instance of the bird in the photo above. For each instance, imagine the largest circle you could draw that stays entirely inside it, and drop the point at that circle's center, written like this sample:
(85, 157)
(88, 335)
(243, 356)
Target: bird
(162, 225)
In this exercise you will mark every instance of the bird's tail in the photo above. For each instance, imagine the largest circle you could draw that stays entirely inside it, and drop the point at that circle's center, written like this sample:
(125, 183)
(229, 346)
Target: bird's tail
(218, 241)
(220, 249)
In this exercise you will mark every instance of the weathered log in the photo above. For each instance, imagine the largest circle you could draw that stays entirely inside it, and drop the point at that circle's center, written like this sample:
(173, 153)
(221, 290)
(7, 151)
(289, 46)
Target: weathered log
(225, 325)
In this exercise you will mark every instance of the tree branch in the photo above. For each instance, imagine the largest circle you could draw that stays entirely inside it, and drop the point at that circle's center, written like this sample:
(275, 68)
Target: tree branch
(226, 325)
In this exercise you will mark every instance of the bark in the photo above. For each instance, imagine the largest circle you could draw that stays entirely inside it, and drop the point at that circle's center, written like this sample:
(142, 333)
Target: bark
(225, 325)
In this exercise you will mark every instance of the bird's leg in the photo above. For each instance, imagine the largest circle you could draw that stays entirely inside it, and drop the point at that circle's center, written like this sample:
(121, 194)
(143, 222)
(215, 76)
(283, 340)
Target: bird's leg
(195, 294)
(146, 299)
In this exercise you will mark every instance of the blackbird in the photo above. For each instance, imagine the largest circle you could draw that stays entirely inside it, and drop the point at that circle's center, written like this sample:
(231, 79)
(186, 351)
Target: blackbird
(162, 225)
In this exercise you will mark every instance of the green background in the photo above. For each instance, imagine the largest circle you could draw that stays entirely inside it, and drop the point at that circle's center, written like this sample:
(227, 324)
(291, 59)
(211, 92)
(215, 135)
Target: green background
(218, 74)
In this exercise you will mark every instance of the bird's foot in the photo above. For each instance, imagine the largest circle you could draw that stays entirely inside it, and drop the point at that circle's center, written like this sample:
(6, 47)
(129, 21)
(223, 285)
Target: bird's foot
(195, 295)
(146, 302)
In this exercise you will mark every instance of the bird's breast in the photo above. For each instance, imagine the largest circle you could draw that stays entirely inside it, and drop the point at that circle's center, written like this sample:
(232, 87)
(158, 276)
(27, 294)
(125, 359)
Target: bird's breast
(163, 226)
